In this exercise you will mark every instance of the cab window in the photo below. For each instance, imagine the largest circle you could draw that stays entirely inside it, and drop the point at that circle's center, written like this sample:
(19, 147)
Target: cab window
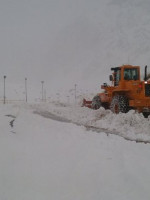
(117, 77)
(131, 74)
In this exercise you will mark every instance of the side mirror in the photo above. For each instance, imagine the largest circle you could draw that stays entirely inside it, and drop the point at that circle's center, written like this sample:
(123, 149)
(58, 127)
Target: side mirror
(111, 78)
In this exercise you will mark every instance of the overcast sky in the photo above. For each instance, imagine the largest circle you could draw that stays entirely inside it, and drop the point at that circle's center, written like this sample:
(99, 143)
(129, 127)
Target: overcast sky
(27, 30)
(64, 42)
(33, 38)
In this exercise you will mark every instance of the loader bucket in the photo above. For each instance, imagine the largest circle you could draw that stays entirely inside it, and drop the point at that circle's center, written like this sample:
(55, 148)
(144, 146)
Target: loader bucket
(86, 103)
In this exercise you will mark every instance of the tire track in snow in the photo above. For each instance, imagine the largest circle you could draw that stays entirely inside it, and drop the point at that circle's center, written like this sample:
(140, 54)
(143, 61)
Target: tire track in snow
(52, 116)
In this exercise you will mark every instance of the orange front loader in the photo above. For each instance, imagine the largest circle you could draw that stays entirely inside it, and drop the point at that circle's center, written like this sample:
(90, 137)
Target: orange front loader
(127, 91)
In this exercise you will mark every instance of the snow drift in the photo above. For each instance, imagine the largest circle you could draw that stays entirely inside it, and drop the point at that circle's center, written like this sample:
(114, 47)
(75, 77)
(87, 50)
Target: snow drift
(132, 125)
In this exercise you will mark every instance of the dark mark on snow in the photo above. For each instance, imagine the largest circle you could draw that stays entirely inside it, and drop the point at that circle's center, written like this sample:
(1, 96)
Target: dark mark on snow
(11, 123)
(13, 132)
(12, 116)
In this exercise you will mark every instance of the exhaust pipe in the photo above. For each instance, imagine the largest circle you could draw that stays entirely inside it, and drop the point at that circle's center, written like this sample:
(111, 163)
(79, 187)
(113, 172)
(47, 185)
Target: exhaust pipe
(145, 76)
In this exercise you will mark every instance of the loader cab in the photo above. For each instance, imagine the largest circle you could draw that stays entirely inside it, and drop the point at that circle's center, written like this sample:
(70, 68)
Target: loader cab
(125, 73)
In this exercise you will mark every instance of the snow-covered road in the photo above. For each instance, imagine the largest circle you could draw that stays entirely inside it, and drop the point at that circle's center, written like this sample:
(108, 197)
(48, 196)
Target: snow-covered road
(45, 159)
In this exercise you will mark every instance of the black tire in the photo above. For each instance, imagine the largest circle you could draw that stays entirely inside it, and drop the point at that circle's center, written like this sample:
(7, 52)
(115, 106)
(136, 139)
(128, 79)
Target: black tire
(96, 102)
(146, 114)
(119, 103)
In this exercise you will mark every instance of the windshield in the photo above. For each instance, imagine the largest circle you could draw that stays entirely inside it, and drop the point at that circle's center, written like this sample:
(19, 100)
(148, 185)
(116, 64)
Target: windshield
(131, 74)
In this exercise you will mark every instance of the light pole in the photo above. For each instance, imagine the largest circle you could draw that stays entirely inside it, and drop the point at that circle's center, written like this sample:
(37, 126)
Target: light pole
(26, 89)
(4, 90)
(42, 90)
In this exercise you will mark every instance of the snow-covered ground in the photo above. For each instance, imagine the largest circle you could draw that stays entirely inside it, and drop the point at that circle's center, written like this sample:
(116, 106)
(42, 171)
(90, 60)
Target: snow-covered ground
(47, 152)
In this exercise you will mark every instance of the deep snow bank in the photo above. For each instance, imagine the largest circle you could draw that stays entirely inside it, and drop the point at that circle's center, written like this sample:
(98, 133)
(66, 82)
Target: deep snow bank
(132, 125)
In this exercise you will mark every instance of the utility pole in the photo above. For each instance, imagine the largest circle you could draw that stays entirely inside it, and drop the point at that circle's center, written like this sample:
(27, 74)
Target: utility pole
(4, 90)
(26, 89)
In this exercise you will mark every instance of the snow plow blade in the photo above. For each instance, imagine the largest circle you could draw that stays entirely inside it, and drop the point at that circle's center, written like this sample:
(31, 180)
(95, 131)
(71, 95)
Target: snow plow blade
(86, 103)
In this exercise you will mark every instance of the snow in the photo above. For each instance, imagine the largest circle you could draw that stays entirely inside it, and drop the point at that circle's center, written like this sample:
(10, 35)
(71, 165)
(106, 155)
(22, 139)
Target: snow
(132, 126)
(60, 150)
(45, 158)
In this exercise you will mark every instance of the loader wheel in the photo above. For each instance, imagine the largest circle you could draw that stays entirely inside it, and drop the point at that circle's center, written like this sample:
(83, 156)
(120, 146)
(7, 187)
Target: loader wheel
(96, 102)
(146, 114)
(119, 103)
